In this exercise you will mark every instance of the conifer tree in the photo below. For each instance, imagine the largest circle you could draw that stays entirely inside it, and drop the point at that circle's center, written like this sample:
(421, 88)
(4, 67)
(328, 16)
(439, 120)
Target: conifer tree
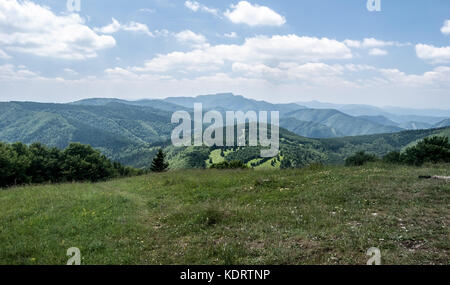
(159, 163)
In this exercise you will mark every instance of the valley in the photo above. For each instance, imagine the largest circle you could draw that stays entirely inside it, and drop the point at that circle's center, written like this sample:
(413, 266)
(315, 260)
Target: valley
(131, 132)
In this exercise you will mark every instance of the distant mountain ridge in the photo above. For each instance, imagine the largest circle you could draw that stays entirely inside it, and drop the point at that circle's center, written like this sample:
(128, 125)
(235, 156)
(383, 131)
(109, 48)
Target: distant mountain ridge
(153, 103)
(443, 124)
(340, 123)
(309, 129)
(147, 121)
(387, 109)
(318, 123)
(381, 120)
(220, 102)
(231, 102)
(131, 133)
(396, 114)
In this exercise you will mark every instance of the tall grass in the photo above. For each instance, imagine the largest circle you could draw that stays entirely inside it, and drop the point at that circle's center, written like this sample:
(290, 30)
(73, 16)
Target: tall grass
(315, 215)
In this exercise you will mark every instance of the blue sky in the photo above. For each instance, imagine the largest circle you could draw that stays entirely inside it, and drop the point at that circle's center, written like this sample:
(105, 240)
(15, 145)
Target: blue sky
(279, 51)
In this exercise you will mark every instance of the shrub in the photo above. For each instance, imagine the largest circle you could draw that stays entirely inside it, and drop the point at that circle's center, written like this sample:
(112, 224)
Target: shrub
(360, 158)
(393, 157)
(235, 164)
(435, 150)
(316, 166)
(83, 163)
(22, 164)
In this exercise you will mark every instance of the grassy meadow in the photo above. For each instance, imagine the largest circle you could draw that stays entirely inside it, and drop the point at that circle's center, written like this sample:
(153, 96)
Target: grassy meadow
(314, 215)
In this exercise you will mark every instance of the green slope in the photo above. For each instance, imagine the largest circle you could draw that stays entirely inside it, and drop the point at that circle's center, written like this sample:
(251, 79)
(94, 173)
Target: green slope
(308, 129)
(338, 149)
(296, 151)
(415, 126)
(381, 120)
(331, 215)
(124, 133)
(443, 132)
(442, 124)
(341, 123)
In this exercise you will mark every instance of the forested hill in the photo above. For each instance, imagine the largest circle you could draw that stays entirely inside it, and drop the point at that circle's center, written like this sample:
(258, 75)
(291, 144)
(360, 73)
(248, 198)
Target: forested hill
(296, 151)
(314, 123)
(132, 134)
(339, 123)
(120, 131)
(379, 144)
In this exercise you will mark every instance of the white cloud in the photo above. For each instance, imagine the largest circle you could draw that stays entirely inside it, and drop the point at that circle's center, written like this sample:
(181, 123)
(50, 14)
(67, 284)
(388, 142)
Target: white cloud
(116, 26)
(358, 67)
(254, 15)
(191, 38)
(446, 28)
(147, 10)
(353, 43)
(11, 72)
(289, 81)
(70, 71)
(162, 33)
(231, 35)
(193, 5)
(117, 71)
(197, 60)
(31, 28)
(138, 28)
(196, 6)
(439, 77)
(256, 50)
(257, 70)
(378, 52)
(433, 54)
(294, 48)
(372, 43)
(4, 55)
(111, 28)
(308, 73)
